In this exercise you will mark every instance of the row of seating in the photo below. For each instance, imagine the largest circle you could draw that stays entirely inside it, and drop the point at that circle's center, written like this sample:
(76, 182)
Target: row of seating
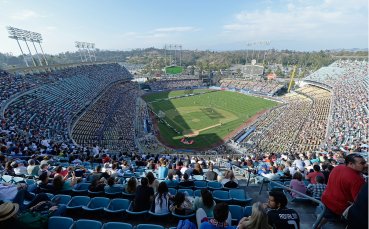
(58, 222)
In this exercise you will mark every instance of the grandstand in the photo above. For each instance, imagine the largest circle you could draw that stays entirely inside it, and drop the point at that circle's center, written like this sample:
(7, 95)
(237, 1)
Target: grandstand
(91, 116)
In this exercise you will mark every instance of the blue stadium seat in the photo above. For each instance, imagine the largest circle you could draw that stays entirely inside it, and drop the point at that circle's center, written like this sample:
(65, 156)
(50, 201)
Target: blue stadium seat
(95, 194)
(198, 177)
(199, 184)
(247, 211)
(158, 215)
(61, 199)
(86, 223)
(128, 196)
(236, 212)
(7, 178)
(81, 190)
(117, 225)
(184, 216)
(59, 222)
(96, 204)
(149, 226)
(172, 191)
(221, 196)
(214, 185)
(133, 213)
(184, 190)
(239, 196)
(77, 202)
(197, 193)
(117, 205)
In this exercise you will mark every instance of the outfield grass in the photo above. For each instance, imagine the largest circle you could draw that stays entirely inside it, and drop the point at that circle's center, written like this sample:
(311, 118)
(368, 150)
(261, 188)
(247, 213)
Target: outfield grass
(210, 116)
(173, 70)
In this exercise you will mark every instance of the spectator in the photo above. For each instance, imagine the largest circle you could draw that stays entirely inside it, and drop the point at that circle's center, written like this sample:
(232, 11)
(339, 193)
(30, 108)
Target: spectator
(112, 187)
(206, 202)
(316, 190)
(143, 197)
(131, 185)
(257, 220)
(186, 182)
(279, 216)
(311, 176)
(32, 169)
(297, 184)
(229, 180)
(222, 218)
(182, 204)
(345, 182)
(170, 181)
(153, 182)
(358, 213)
(163, 171)
(162, 199)
(210, 174)
(197, 170)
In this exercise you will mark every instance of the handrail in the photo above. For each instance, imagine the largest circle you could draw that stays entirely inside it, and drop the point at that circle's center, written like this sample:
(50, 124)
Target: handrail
(320, 216)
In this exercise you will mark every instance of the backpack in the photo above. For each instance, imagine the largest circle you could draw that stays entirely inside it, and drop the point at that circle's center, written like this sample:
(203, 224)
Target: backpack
(186, 224)
(33, 220)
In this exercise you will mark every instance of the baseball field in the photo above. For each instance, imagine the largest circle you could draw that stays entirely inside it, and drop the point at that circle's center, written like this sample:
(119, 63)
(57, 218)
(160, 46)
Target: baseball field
(199, 119)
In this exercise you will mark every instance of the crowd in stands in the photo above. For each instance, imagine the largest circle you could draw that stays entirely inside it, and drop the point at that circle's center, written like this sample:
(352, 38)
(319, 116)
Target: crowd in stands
(109, 122)
(252, 86)
(174, 84)
(349, 116)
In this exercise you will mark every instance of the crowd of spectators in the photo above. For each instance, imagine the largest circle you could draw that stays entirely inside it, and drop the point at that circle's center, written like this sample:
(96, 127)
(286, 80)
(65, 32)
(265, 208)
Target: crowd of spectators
(252, 86)
(174, 84)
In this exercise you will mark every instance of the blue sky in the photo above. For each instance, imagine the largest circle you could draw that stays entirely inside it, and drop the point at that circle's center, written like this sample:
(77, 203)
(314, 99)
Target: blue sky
(195, 24)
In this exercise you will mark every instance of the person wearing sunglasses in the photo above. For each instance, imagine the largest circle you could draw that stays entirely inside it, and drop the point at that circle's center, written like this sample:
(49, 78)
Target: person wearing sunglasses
(344, 184)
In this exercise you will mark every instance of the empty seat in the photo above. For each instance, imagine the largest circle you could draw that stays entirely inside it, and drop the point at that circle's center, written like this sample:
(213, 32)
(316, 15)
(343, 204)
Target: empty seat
(200, 184)
(236, 212)
(117, 205)
(197, 193)
(239, 196)
(59, 222)
(61, 199)
(214, 185)
(77, 202)
(221, 196)
(86, 223)
(97, 204)
(133, 213)
(247, 211)
(149, 226)
(117, 225)
(81, 189)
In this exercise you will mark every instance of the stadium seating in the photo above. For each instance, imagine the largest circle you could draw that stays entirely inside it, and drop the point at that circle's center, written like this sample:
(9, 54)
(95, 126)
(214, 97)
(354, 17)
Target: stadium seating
(58, 222)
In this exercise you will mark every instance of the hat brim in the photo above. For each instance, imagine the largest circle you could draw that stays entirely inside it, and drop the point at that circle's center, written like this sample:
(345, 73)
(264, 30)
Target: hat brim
(11, 213)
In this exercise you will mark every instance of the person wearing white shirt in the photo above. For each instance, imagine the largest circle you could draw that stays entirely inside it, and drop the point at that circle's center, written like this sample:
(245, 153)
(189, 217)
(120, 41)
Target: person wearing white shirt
(20, 169)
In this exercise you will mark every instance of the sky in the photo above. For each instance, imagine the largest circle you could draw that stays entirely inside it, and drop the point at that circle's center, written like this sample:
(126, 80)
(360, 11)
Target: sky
(219, 25)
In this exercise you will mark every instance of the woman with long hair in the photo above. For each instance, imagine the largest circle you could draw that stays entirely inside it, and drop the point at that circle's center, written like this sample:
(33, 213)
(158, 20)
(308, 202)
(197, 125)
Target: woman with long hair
(153, 182)
(205, 202)
(162, 199)
(131, 185)
(257, 220)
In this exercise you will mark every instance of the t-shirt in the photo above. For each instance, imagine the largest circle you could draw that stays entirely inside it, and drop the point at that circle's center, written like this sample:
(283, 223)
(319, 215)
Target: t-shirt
(207, 225)
(343, 186)
(283, 219)
(142, 198)
(311, 176)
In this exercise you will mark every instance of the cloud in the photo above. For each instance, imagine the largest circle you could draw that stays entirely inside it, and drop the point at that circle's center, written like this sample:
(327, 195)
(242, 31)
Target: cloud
(177, 29)
(301, 21)
(26, 14)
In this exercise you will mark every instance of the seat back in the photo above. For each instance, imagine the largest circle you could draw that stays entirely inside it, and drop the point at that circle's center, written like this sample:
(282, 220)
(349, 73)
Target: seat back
(214, 185)
(237, 194)
(149, 226)
(118, 204)
(79, 201)
(99, 202)
(117, 225)
(221, 194)
(172, 191)
(59, 222)
(61, 199)
(86, 223)
(236, 212)
(200, 184)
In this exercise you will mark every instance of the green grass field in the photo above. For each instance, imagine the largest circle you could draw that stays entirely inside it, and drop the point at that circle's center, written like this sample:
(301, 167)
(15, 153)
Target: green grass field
(173, 70)
(207, 118)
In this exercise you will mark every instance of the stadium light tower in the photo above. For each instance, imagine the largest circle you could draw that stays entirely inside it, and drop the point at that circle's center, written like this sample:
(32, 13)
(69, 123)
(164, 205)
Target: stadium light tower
(33, 39)
(25, 36)
(37, 37)
(13, 34)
